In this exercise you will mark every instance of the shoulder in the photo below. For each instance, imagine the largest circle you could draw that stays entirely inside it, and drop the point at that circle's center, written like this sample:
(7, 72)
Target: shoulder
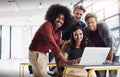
(86, 30)
(103, 29)
(68, 49)
(47, 25)
(82, 22)
(102, 25)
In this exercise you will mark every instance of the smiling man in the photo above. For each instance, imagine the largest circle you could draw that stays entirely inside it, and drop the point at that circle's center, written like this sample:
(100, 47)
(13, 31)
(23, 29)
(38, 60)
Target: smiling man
(47, 37)
(99, 35)
(76, 21)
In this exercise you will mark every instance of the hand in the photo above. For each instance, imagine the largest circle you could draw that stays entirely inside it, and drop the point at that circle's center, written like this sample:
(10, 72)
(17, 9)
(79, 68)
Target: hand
(78, 59)
(108, 62)
(62, 42)
(70, 62)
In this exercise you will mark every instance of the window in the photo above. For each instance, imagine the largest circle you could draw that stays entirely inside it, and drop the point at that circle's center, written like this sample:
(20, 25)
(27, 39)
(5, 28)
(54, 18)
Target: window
(113, 22)
(5, 42)
(112, 10)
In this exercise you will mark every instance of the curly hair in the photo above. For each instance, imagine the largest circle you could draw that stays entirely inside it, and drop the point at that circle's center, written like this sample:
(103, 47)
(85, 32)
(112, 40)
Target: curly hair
(54, 11)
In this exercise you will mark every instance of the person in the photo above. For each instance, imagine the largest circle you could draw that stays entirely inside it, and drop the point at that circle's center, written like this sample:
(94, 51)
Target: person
(47, 37)
(75, 50)
(99, 35)
(76, 21)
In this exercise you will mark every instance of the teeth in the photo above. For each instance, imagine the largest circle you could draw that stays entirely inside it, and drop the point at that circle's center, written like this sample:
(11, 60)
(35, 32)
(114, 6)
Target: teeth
(59, 24)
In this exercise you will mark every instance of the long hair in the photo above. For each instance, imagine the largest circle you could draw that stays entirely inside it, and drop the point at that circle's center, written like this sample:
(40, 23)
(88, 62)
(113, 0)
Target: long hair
(55, 10)
(73, 43)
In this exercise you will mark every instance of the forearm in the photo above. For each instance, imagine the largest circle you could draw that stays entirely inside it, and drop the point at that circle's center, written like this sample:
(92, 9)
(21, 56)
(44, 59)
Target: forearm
(66, 43)
(110, 56)
(78, 60)
(64, 60)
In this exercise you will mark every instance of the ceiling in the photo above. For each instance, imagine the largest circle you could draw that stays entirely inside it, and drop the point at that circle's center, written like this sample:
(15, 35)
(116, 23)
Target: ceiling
(27, 12)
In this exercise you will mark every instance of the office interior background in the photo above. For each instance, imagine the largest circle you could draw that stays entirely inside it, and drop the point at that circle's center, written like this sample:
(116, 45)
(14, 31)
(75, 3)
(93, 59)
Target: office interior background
(19, 20)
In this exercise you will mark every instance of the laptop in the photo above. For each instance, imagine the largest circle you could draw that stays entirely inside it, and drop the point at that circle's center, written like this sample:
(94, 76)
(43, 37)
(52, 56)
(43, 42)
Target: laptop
(94, 55)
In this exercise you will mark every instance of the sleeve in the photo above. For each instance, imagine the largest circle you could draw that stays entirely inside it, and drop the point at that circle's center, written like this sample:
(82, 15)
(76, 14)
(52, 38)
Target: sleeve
(68, 49)
(108, 37)
(82, 24)
(48, 33)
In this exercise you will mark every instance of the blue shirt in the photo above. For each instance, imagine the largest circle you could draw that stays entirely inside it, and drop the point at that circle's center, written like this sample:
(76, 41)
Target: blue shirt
(67, 34)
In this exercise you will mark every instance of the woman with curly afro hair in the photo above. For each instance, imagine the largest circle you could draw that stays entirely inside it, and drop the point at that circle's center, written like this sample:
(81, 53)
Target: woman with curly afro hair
(47, 37)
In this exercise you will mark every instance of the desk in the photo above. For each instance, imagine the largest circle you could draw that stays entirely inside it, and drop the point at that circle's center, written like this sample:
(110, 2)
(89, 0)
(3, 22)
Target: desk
(22, 65)
(21, 69)
(92, 68)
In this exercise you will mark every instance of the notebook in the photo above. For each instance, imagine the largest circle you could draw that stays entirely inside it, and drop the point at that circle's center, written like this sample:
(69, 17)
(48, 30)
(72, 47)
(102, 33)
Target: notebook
(94, 55)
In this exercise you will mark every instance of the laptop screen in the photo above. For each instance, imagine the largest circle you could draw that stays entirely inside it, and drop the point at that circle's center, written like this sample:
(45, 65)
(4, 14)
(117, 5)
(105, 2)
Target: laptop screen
(94, 55)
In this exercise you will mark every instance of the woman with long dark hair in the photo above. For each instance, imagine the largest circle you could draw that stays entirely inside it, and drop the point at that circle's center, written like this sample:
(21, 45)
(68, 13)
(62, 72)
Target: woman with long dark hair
(74, 50)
